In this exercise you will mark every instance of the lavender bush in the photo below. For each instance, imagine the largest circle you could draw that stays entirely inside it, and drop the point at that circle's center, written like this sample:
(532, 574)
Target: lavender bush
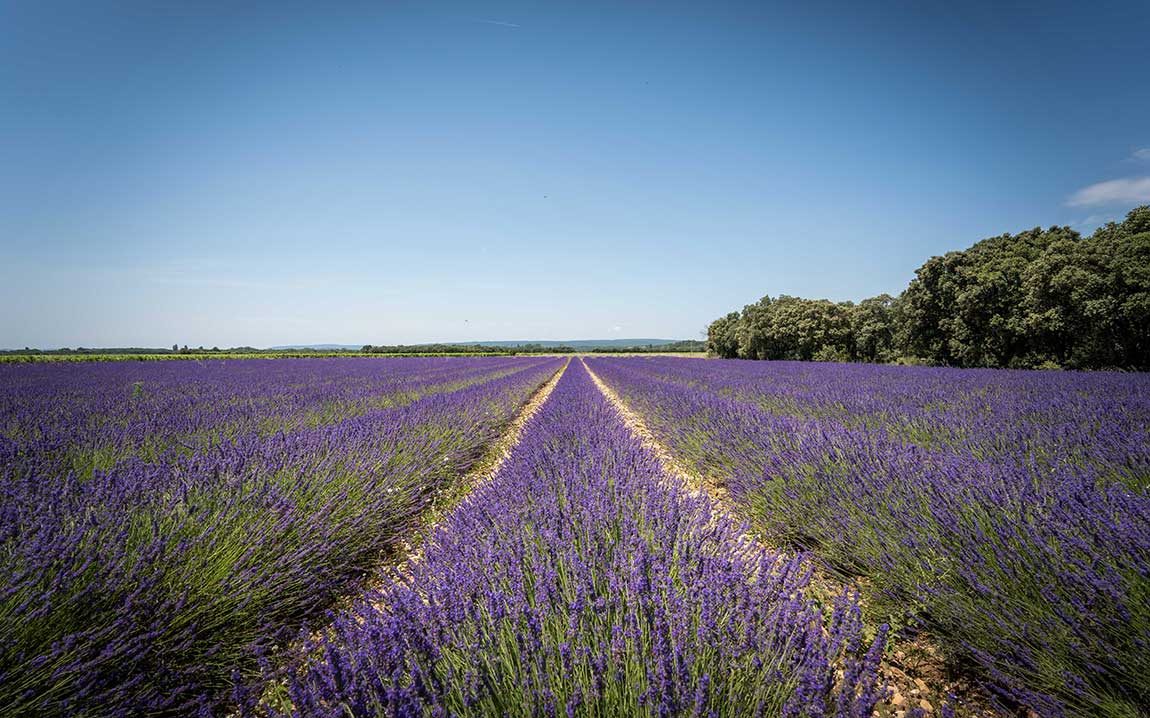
(583, 580)
(94, 415)
(151, 583)
(1005, 511)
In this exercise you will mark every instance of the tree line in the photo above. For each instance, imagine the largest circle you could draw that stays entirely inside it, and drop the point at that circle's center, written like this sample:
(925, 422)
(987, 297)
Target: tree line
(688, 345)
(464, 349)
(1038, 299)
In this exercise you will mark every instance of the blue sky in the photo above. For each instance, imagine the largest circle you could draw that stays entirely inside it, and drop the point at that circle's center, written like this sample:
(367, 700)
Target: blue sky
(226, 173)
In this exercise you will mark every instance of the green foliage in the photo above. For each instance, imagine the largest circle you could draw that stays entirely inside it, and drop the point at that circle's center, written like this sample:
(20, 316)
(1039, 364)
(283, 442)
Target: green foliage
(806, 330)
(686, 346)
(793, 328)
(24, 356)
(722, 336)
(1087, 303)
(966, 308)
(873, 329)
(414, 349)
(1038, 299)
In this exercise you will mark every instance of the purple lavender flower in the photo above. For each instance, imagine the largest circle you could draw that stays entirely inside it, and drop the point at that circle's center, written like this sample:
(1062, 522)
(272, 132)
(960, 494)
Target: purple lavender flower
(625, 595)
(1005, 511)
(164, 526)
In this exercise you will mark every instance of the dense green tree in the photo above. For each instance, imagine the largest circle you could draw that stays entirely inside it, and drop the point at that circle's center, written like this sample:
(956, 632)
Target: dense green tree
(966, 308)
(922, 329)
(754, 329)
(806, 329)
(1034, 299)
(1087, 303)
(873, 329)
(1137, 222)
(722, 339)
(787, 328)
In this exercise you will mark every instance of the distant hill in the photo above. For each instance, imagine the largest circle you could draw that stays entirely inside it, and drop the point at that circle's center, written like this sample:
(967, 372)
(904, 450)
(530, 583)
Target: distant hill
(574, 343)
(319, 347)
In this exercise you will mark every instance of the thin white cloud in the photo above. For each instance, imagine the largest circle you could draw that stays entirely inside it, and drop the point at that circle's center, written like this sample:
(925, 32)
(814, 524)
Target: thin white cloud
(500, 23)
(1126, 190)
(1093, 220)
(1142, 155)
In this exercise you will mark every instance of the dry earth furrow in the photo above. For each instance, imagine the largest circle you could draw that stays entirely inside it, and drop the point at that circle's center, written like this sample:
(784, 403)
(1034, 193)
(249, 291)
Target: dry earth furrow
(409, 551)
(487, 466)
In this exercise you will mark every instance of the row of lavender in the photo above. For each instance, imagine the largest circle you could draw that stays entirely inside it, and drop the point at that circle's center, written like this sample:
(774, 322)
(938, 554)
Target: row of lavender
(989, 414)
(151, 586)
(582, 579)
(1007, 512)
(92, 417)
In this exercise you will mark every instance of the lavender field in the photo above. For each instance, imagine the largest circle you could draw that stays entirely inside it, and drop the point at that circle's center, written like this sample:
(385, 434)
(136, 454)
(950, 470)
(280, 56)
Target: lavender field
(166, 525)
(1004, 512)
(345, 537)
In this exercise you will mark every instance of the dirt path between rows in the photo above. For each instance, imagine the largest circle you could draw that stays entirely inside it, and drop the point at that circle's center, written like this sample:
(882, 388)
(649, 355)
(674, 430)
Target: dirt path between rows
(483, 471)
(408, 552)
(695, 484)
(906, 663)
(498, 453)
